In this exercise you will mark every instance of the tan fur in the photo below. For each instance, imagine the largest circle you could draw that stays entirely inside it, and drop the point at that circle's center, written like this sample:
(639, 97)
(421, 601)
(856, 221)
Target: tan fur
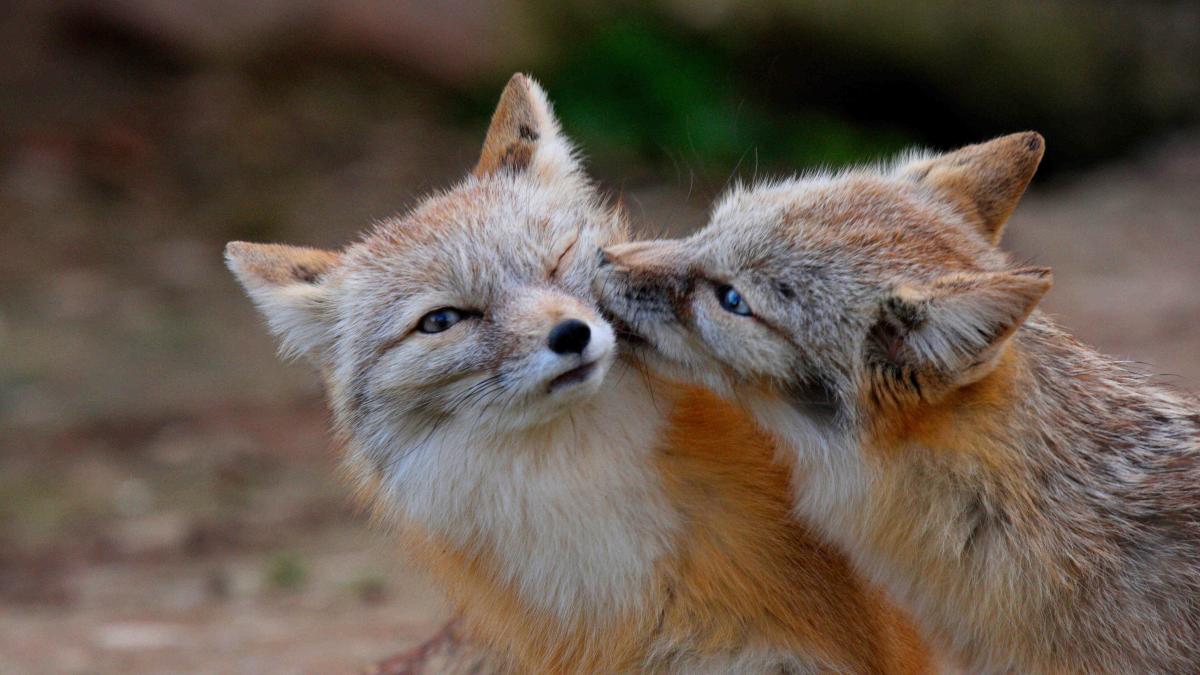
(620, 524)
(1034, 504)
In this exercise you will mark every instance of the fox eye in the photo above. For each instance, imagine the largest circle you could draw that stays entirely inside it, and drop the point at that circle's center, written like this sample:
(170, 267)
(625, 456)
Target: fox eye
(732, 301)
(440, 319)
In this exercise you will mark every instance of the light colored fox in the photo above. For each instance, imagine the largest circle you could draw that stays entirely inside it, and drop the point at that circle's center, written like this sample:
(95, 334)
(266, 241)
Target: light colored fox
(1034, 504)
(580, 516)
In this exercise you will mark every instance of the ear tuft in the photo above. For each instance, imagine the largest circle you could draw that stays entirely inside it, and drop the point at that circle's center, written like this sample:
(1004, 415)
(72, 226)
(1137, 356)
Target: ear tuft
(986, 180)
(958, 324)
(524, 134)
(288, 285)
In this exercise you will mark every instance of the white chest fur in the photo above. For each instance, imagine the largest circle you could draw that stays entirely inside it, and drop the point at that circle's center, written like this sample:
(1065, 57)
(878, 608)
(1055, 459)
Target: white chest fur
(573, 512)
(831, 482)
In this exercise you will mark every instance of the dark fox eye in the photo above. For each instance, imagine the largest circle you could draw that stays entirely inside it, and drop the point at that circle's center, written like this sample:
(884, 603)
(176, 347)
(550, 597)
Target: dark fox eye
(732, 301)
(439, 320)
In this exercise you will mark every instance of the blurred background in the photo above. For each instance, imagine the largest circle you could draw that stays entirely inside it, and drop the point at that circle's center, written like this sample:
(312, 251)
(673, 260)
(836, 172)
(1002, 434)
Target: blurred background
(169, 499)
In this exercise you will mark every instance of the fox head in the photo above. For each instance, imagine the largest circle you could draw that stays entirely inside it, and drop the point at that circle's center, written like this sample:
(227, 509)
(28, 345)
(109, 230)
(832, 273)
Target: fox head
(839, 293)
(468, 319)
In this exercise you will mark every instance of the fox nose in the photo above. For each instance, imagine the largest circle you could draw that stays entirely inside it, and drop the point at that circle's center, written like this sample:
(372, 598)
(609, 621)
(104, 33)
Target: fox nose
(569, 337)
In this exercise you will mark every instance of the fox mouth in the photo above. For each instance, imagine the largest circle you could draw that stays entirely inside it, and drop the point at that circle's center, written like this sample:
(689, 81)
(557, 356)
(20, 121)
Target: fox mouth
(628, 337)
(624, 332)
(572, 377)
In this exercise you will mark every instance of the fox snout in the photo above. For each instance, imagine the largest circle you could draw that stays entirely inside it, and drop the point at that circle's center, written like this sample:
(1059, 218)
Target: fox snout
(650, 274)
(635, 255)
(566, 340)
(643, 288)
(569, 337)
(555, 321)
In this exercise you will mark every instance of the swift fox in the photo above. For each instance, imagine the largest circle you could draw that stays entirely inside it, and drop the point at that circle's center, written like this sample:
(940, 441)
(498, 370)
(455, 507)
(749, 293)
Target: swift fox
(1034, 504)
(580, 515)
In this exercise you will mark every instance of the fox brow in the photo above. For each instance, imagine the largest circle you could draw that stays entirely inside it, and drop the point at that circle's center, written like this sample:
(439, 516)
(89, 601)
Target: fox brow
(561, 256)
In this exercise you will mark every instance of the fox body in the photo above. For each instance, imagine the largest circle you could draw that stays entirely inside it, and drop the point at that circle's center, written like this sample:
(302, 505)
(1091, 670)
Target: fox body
(580, 515)
(1034, 504)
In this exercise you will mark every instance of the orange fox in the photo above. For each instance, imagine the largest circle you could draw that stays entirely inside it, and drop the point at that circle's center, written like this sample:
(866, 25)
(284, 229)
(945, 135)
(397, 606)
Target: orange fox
(580, 515)
(1034, 504)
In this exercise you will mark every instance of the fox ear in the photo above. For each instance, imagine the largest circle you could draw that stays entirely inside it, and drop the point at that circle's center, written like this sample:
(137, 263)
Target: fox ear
(524, 135)
(957, 326)
(288, 284)
(985, 180)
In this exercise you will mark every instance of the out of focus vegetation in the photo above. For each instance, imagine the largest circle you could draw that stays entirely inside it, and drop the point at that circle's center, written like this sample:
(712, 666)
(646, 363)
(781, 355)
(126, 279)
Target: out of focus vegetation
(802, 82)
(705, 85)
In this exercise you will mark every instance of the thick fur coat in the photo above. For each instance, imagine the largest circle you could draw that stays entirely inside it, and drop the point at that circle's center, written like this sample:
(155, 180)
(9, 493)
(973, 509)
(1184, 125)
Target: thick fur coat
(1034, 504)
(580, 515)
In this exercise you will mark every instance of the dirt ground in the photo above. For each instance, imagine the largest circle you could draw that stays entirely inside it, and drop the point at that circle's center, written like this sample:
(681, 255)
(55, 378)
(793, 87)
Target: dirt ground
(169, 494)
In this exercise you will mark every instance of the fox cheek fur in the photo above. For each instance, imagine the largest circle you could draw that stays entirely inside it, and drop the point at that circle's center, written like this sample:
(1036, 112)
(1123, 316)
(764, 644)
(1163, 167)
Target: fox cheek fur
(431, 380)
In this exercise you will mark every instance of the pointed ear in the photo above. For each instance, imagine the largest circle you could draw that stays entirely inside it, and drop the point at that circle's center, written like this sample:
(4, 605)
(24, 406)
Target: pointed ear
(524, 135)
(288, 284)
(985, 180)
(958, 325)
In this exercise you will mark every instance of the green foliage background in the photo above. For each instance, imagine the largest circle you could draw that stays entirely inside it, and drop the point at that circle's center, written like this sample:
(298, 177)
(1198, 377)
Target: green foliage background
(801, 83)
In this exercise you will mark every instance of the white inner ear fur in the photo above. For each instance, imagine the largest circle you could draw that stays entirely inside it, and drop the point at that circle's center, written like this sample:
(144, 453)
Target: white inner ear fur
(296, 314)
(298, 310)
(554, 157)
(964, 330)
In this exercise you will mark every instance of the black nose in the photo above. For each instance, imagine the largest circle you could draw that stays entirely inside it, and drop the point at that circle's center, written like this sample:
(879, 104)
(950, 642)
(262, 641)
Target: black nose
(569, 337)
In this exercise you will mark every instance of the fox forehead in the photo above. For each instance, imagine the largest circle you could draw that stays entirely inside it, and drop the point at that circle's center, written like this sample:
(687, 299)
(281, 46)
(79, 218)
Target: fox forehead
(873, 224)
(471, 238)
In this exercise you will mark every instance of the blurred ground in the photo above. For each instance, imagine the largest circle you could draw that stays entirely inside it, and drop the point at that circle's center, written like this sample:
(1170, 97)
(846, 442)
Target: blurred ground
(169, 498)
